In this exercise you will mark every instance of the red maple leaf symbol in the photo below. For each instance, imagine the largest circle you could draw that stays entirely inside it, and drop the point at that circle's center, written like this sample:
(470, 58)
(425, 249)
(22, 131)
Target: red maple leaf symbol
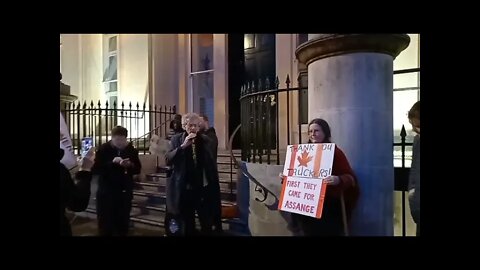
(304, 159)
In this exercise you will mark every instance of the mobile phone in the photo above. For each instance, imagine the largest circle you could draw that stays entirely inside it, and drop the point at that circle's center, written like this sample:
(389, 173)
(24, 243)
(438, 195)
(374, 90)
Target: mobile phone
(87, 143)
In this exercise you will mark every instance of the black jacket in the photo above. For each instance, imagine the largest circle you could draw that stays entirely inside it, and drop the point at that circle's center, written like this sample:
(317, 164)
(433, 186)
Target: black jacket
(414, 180)
(74, 196)
(112, 176)
(213, 142)
(176, 183)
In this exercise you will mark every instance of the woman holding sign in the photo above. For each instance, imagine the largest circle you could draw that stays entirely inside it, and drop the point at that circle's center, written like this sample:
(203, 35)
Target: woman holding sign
(342, 182)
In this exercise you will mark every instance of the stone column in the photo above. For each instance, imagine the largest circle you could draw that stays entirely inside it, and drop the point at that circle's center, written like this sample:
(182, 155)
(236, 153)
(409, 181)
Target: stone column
(220, 88)
(350, 85)
(65, 97)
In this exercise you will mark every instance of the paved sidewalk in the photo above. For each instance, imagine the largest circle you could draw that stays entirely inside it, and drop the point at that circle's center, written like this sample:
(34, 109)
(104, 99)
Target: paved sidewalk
(88, 227)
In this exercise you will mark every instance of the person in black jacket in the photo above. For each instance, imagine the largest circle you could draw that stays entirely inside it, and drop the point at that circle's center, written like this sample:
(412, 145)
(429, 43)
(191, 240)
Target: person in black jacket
(74, 196)
(212, 195)
(176, 124)
(194, 171)
(205, 128)
(116, 161)
(414, 178)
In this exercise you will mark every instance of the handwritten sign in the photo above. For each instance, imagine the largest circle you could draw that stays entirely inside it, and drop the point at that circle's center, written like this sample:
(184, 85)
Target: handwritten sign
(303, 196)
(303, 190)
(68, 159)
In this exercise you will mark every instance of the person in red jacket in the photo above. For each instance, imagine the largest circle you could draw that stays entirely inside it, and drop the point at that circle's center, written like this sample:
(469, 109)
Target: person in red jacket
(341, 182)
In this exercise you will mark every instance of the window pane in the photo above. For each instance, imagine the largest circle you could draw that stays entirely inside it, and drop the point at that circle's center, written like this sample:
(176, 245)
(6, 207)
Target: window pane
(106, 73)
(248, 41)
(113, 86)
(397, 155)
(112, 44)
(402, 102)
(409, 58)
(202, 52)
(114, 75)
(111, 71)
(405, 80)
(113, 66)
(202, 86)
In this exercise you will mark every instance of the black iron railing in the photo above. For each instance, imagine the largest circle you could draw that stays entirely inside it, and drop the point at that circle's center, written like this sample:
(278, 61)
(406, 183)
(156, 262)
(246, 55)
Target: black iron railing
(402, 174)
(260, 119)
(258, 186)
(97, 121)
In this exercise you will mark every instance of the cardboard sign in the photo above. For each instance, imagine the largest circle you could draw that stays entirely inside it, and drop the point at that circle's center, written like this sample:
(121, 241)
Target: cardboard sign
(303, 190)
(303, 196)
(68, 159)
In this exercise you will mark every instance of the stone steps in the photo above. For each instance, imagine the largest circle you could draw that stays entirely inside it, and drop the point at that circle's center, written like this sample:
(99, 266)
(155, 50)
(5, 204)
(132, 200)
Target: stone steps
(153, 218)
(148, 204)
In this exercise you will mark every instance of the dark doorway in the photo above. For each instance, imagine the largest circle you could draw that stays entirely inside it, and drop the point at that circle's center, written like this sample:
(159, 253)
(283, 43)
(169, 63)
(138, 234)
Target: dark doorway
(250, 57)
(259, 57)
(236, 77)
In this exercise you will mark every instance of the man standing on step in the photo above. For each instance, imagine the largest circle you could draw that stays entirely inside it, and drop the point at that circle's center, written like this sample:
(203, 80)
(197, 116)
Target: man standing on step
(211, 134)
(212, 194)
(116, 161)
(193, 169)
(176, 124)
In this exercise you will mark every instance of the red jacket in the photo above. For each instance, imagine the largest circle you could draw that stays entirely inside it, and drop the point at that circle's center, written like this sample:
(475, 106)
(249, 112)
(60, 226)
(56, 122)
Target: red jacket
(348, 182)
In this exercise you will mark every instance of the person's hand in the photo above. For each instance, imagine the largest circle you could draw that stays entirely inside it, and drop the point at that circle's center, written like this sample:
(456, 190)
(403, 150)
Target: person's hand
(332, 180)
(125, 162)
(86, 163)
(188, 140)
(117, 160)
(281, 176)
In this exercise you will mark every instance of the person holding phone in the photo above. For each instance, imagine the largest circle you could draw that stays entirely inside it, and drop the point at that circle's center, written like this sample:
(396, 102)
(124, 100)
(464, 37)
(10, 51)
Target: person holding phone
(116, 162)
(87, 143)
(74, 195)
